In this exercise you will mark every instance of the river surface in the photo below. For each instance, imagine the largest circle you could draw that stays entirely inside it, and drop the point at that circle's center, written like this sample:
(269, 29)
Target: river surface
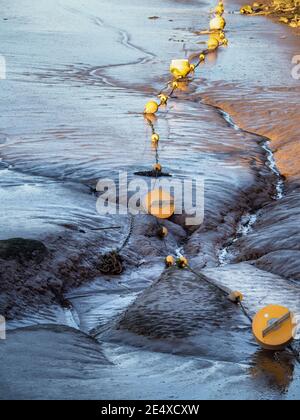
(78, 77)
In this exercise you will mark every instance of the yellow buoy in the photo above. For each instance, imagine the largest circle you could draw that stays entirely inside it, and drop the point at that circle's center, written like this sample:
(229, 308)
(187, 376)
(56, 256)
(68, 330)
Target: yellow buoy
(274, 327)
(182, 262)
(212, 43)
(246, 10)
(160, 203)
(157, 167)
(180, 68)
(151, 107)
(170, 261)
(163, 98)
(155, 138)
(219, 10)
(163, 232)
(236, 297)
(218, 23)
(202, 57)
(220, 35)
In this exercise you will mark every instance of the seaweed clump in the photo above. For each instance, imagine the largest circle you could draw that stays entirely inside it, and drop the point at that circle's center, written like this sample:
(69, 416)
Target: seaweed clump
(287, 11)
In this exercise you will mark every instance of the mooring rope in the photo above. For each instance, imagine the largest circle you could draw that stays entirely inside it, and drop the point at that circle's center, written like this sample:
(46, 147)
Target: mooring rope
(112, 262)
(226, 292)
(128, 236)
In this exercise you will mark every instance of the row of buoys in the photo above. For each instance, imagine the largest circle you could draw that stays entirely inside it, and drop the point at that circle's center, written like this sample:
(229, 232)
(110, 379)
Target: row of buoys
(180, 70)
(180, 262)
(273, 327)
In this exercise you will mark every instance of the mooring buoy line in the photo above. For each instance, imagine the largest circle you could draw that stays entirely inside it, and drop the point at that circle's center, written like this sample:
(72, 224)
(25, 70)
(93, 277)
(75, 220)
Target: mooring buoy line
(180, 70)
(274, 327)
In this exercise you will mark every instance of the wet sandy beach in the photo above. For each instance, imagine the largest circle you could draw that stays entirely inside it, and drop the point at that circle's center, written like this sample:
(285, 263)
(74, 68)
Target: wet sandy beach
(77, 80)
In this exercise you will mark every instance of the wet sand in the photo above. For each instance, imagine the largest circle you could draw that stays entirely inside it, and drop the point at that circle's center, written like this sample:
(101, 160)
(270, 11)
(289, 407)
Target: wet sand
(78, 104)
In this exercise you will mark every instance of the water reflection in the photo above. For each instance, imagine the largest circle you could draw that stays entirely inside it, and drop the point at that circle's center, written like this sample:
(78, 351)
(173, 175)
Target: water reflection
(150, 119)
(275, 368)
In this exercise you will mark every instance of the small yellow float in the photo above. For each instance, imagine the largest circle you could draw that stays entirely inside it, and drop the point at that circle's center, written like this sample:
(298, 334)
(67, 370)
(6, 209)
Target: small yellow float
(236, 297)
(157, 167)
(163, 232)
(182, 262)
(163, 98)
(155, 138)
(170, 261)
(219, 10)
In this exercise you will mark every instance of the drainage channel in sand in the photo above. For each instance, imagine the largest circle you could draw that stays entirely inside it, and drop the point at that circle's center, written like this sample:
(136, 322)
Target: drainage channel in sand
(226, 254)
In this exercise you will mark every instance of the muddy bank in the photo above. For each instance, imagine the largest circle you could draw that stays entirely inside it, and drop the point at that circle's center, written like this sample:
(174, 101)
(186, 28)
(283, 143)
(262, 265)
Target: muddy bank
(270, 110)
(181, 315)
(62, 358)
(61, 238)
(77, 354)
(275, 117)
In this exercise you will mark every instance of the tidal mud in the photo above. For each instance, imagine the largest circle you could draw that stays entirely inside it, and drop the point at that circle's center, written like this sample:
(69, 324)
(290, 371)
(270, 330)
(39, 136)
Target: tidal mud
(70, 115)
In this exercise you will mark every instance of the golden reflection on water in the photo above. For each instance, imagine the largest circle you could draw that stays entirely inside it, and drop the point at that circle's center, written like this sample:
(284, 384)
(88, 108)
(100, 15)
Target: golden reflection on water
(277, 369)
(150, 118)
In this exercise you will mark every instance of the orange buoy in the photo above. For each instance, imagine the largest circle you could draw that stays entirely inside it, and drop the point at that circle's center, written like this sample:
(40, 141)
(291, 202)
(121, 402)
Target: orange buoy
(170, 261)
(160, 204)
(157, 167)
(274, 327)
(163, 232)
(155, 138)
(202, 57)
(163, 98)
(182, 262)
(236, 297)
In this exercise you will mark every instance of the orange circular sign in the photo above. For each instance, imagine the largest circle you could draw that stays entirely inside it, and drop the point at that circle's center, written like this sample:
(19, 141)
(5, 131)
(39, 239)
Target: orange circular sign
(160, 204)
(274, 327)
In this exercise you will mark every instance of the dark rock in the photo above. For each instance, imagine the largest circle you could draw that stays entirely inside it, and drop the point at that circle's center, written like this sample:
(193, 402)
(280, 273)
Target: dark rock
(22, 250)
